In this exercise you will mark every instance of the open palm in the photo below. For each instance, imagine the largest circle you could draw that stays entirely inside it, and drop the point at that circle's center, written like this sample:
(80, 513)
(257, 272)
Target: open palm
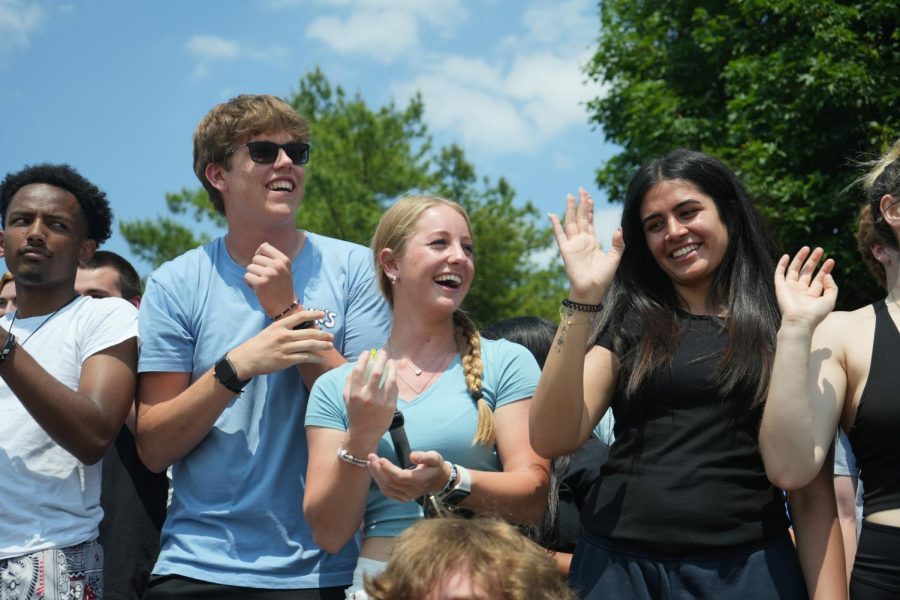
(804, 294)
(590, 270)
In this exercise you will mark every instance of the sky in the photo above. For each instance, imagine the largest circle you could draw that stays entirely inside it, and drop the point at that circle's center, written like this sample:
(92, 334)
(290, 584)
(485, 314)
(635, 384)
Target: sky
(116, 89)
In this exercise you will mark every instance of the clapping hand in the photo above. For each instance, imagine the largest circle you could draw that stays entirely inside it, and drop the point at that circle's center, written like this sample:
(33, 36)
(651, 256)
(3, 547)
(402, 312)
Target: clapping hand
(805, 296)
(269, 275)
(370, 394)
(430, 474)
(280, 346)
(590, 270)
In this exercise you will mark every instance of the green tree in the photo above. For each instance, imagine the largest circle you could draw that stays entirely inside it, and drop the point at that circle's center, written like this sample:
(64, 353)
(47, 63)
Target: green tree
(362, 160)
(790, 94)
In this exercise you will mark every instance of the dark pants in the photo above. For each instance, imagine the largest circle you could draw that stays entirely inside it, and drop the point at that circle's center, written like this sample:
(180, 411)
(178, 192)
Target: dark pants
(769, 572)
(876, 570)
(175, 587)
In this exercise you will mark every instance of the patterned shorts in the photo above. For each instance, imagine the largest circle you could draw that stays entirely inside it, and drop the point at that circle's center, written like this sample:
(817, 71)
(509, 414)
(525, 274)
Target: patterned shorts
(71, 573)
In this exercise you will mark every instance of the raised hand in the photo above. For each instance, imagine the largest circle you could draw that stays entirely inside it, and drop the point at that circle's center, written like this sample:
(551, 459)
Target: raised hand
(805, 296)
(269, 275)
(280, 346)
(590, 270)
(370, 395)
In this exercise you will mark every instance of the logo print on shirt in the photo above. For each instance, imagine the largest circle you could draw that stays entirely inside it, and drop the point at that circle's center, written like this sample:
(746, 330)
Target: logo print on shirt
(329, 320)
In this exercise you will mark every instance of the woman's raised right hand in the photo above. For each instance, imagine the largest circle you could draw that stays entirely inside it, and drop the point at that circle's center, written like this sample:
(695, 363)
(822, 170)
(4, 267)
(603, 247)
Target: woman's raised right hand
(805, 296)
(590, 270)
(370, 395)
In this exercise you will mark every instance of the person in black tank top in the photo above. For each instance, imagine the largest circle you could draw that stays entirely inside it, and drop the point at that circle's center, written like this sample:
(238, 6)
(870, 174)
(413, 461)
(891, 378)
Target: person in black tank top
(674, 329)
(852, 358)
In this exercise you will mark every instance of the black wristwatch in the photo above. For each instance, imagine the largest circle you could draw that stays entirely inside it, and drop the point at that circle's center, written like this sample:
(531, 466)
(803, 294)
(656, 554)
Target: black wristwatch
(227, 376)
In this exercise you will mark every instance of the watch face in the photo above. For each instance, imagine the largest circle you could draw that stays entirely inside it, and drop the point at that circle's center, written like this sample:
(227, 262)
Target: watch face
(226, 375)
(456, 496)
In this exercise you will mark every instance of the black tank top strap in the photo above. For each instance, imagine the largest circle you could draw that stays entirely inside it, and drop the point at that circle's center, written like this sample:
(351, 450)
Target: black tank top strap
(877, 423)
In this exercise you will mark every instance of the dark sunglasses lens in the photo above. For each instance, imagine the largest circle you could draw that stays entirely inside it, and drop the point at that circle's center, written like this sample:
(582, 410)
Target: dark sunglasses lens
(267, 152)
(298, 152)
(263, 152)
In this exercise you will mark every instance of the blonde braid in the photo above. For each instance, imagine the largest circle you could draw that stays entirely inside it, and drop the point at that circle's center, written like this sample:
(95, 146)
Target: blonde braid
(469, 344)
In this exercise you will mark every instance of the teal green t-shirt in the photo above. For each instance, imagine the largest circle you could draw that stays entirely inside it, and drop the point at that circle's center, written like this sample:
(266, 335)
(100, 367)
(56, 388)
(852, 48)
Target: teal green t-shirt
(443, 418)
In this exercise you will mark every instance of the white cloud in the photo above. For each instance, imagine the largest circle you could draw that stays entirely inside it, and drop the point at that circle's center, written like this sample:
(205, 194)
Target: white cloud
(466, 97)
(560, 21)
(516, 111)
(396, 33)
(530, 91)
(18, 21)
(208, 49)
(384, 30)
(213, 47)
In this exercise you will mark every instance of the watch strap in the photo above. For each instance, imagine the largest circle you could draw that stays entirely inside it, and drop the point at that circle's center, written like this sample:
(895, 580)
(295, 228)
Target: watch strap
(225, 374)
(461, 490)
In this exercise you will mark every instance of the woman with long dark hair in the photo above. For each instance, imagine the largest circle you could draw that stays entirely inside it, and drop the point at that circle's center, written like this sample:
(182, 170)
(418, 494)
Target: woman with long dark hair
(674, 329)
(840, 368)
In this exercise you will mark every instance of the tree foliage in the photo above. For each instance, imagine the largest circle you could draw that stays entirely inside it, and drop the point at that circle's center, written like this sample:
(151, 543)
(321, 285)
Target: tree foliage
(362, 159)
(790, 94)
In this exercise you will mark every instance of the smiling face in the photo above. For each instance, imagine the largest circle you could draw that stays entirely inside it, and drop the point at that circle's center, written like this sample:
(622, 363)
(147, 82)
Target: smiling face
(684, 233)
(45, 236)
(436, 266)
(253, 192)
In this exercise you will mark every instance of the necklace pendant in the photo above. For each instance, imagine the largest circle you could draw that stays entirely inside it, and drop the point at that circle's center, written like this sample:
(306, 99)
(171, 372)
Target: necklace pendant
(417, 371)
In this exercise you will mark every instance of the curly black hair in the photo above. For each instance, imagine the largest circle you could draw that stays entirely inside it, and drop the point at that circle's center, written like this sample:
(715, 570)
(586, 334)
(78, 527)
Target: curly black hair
(93, 201)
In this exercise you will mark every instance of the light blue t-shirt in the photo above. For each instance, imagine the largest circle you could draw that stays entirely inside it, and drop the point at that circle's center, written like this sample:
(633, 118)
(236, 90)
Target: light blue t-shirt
(443, 418)
(236, 515)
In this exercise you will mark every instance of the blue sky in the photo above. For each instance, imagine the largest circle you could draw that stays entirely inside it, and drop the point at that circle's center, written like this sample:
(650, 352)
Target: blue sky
(116, 88)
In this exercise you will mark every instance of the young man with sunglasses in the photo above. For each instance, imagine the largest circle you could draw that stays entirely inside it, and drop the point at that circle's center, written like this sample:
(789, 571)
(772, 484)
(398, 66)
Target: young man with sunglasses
(67, 380)
(234, 335)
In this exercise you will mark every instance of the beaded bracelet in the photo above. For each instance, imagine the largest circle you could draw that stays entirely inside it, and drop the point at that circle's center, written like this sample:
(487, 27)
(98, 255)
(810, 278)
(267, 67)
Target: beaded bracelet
(293, 305)
(582, 307)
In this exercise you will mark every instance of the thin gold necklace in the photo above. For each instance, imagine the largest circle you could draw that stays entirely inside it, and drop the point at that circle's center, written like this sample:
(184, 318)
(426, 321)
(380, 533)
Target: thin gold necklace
(434, 371)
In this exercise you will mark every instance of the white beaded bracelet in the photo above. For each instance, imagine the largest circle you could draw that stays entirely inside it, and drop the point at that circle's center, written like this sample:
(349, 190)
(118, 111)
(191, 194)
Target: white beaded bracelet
(350, 459)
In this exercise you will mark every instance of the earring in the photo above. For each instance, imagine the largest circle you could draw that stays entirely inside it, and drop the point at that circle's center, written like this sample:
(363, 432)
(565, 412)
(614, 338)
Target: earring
(393, 279)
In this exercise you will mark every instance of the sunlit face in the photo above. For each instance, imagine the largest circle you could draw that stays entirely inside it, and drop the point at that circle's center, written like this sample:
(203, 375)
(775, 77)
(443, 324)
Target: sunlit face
(684, 233)
(254, 192)
(99, 283)
(45, 236)
(437, 265)
(8, 302)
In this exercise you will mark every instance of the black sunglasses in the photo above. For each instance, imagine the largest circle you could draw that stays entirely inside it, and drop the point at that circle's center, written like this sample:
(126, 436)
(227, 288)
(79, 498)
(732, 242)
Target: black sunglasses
(266, 153)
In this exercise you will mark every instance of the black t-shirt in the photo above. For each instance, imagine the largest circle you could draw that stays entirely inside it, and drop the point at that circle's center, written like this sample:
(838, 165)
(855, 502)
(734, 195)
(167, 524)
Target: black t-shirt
(582, 475)
(134, 506)
(684, 477)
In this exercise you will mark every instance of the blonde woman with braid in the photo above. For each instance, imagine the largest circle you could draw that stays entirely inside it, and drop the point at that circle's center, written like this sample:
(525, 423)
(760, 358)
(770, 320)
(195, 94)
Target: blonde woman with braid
(464, 400)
